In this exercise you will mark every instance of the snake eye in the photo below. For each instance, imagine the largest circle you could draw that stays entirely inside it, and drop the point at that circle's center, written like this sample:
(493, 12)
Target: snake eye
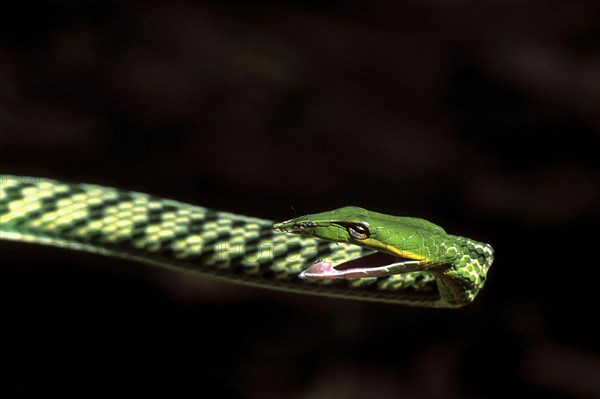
(358, 231)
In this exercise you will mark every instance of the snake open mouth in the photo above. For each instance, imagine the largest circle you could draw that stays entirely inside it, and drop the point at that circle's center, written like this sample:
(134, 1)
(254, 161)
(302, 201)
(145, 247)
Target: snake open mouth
(366, 266)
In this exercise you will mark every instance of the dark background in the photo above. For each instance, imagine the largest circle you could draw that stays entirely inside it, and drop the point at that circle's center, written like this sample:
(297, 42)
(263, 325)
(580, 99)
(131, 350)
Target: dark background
(483, 118)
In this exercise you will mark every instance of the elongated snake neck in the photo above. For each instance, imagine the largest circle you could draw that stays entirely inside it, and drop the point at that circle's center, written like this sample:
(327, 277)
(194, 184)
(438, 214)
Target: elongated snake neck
(189, 238)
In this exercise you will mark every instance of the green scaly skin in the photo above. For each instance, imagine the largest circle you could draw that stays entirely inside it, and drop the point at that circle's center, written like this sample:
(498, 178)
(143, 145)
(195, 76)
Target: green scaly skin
(422, 265)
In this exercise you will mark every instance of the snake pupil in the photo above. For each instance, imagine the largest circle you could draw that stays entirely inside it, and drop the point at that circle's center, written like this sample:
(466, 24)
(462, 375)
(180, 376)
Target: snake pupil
(358, 231)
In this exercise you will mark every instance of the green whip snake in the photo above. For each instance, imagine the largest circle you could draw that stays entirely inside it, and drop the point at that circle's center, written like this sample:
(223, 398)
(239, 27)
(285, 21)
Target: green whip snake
(348, 252)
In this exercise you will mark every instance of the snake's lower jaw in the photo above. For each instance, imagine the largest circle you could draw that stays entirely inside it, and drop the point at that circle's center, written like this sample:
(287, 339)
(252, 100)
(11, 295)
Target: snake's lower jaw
(367, 266)
(320, 270)
(324, 270)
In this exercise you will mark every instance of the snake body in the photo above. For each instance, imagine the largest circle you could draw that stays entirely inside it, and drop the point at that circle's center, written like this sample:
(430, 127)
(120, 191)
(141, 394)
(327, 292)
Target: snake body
(428, 268)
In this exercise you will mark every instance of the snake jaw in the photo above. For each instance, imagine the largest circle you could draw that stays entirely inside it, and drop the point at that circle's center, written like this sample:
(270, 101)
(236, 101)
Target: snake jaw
(319, 271)
(368, 266)
(325, 270)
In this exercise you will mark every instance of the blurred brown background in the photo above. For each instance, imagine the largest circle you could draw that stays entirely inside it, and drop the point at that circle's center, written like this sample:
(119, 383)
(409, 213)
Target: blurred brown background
(482, 117)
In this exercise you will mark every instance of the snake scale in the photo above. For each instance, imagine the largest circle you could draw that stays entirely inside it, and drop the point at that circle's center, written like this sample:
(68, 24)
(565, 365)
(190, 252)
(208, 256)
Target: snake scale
(349, 252)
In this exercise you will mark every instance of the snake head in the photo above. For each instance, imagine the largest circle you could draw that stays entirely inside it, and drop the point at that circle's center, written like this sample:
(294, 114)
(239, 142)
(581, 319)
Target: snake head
(349, 224)
(400, 236)
(397, 242)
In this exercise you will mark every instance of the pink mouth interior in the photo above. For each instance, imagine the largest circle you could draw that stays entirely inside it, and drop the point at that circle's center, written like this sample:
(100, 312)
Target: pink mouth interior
(360, 267)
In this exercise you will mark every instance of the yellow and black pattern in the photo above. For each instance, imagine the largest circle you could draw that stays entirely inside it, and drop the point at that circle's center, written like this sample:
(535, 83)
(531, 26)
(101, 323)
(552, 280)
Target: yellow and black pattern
(176, 235)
